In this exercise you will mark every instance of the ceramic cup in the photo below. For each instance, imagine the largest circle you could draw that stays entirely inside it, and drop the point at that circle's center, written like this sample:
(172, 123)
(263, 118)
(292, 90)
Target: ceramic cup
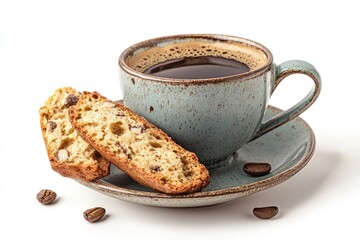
(212, 117)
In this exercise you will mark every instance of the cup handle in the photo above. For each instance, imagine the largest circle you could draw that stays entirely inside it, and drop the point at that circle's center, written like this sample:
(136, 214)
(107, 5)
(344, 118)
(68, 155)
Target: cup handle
(282, 71)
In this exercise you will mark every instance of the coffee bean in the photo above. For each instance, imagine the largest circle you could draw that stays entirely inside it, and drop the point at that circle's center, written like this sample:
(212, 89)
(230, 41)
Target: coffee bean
(46, 196)
(257, 169)
(94, 214)
(265, 212)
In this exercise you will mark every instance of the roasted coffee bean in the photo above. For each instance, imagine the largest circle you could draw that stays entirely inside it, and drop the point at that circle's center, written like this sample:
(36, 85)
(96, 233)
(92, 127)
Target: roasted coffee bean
(46, 196)
(257, 169)
(265, 212)
(94, 214)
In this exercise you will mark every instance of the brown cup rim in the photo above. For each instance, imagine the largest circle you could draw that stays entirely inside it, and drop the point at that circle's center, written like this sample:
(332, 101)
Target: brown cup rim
(218, 37)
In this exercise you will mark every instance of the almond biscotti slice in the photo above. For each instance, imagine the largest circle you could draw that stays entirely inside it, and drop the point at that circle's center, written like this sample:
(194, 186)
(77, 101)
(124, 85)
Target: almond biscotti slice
(136, 146)
(68, 153)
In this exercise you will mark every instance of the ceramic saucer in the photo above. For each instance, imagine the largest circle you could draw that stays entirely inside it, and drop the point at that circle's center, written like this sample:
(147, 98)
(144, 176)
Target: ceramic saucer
(288, 149)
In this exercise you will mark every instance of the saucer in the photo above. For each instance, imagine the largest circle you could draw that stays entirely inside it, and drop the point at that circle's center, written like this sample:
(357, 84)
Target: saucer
(287, 148)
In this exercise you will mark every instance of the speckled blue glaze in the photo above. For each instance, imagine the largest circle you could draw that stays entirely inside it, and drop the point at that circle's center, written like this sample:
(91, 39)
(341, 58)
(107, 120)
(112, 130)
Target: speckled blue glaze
(211, 120)
(287, 149)
(216, 117)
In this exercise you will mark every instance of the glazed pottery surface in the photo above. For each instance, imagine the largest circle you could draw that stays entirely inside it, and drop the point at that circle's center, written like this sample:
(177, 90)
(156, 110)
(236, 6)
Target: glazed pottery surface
(287, 149)
(211, 117)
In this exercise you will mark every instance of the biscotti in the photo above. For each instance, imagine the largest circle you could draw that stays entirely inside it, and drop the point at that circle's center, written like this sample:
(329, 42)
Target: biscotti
(68, 153)
(136, 146)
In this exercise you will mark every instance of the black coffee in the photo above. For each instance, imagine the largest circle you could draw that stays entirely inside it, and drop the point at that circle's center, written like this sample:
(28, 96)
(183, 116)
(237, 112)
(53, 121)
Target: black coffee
(197, 68)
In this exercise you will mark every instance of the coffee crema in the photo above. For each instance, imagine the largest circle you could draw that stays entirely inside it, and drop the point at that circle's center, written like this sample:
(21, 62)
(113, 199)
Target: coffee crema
(197, 68)
(200, 54)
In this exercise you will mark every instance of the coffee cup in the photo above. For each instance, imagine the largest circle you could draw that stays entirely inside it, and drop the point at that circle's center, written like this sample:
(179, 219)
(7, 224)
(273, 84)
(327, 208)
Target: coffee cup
(208, 92)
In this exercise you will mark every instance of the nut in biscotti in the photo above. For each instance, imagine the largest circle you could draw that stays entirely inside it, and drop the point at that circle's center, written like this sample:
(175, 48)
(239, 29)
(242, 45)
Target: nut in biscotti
(68, 153)
(62, 155)
(136, 146)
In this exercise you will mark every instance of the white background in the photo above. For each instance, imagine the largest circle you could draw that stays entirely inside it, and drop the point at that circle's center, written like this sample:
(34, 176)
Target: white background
(49, 44)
